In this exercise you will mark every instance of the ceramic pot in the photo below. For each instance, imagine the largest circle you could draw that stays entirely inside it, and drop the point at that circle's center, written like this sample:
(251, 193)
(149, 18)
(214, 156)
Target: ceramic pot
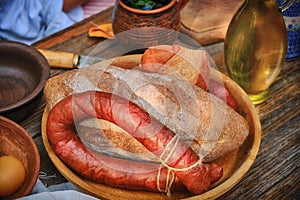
(144, 28)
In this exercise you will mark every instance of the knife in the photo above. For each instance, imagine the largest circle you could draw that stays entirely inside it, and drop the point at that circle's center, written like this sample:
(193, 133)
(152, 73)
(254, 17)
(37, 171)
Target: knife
(67, 60)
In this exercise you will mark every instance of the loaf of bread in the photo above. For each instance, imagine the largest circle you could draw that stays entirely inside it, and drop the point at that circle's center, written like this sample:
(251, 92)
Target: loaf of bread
(190, 65)
(208, 124)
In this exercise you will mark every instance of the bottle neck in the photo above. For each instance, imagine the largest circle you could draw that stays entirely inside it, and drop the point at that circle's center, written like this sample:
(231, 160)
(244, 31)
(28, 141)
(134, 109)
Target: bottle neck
(281, 4)
(271, 4)
(261, 1)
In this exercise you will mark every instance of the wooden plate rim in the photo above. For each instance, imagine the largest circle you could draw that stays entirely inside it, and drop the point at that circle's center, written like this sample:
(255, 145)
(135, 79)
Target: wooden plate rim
(87, 186)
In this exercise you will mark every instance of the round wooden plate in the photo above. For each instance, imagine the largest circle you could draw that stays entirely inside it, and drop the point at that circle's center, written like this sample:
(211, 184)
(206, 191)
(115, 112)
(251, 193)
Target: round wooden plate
(235, 164)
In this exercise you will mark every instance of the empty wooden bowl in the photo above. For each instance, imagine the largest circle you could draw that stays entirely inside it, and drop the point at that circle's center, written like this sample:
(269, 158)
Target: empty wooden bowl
(23, 74)
(16, 142)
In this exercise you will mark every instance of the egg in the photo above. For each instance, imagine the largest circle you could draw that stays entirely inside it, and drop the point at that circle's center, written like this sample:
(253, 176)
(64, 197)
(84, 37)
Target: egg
(12, 175)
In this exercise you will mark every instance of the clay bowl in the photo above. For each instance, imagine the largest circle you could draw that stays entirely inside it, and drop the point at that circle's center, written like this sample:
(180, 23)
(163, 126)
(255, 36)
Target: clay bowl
(23, 74)
(144, 28)
(16, 142)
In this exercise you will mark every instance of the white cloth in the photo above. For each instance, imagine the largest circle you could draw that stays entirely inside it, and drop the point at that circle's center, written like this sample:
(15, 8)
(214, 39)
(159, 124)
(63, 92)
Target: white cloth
(63, 191)
(30, 20)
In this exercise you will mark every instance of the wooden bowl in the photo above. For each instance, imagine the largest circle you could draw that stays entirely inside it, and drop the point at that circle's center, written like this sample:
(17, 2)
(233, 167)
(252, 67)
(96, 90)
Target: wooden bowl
(236, 164)
(16, 142)
(23, 74)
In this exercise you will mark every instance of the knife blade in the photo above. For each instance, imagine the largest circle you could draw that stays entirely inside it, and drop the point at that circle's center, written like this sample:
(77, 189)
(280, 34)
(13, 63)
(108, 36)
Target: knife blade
(67, 60)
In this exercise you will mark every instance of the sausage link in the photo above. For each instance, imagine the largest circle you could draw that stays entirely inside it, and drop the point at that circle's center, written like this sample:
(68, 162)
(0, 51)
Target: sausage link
(220, 91)
(148, 131)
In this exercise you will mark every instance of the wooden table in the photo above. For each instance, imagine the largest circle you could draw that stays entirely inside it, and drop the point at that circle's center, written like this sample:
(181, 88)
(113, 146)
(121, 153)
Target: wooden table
(275, 173)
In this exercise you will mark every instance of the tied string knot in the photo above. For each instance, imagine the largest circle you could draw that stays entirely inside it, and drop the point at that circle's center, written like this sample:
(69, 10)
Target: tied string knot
(170, 174)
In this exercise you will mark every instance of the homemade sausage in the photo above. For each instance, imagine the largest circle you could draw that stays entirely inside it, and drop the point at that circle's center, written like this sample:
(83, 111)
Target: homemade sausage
(220, 91)
(175, 154)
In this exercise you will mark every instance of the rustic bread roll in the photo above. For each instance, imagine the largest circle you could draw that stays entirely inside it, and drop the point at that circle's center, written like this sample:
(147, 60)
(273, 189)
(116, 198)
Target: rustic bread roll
(207, 123)
(211, 127)
(103, 136)
(190, 65)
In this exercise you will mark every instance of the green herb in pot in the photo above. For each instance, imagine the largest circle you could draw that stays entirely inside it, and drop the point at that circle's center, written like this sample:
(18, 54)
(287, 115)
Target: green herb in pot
(146, 4)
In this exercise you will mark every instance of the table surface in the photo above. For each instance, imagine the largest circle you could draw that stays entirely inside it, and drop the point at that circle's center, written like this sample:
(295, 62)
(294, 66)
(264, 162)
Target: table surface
(275, 173)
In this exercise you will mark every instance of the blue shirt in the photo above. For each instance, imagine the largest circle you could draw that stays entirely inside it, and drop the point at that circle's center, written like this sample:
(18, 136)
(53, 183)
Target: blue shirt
(30, 20)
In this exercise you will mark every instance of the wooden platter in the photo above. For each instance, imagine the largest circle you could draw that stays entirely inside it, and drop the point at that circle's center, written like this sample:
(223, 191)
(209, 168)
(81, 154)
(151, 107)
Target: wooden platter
(236, 164)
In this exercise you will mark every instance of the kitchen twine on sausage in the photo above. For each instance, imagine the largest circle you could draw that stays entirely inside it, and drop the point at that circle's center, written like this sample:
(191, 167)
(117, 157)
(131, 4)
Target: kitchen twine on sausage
(129, 49)
(170, 180)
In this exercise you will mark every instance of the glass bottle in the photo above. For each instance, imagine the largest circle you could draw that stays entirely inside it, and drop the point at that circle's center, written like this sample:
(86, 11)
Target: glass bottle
(255, 47)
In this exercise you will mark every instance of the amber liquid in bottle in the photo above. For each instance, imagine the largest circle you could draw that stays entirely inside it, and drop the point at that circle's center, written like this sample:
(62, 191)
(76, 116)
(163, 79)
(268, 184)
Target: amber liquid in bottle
(255, 47)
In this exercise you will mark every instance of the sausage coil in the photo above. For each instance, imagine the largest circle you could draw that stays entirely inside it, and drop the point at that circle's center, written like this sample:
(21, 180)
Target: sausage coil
(177, 157)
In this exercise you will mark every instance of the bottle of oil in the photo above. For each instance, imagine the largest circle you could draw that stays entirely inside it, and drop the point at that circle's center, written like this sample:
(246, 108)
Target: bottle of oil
(255, 47)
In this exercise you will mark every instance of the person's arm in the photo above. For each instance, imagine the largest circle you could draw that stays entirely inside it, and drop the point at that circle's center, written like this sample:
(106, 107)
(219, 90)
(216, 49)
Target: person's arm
(70, 4)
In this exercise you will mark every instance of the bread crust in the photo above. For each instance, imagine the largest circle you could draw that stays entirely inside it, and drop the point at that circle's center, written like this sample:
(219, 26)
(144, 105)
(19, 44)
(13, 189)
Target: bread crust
(211, 127)
(190, 65)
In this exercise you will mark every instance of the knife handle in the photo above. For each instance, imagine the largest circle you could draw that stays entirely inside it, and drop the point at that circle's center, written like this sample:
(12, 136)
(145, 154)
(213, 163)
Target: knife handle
(62, 60)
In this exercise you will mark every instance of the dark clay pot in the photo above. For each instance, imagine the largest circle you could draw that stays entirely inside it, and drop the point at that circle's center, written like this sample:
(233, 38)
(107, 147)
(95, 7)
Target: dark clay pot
(144, 28)
(23, 74)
